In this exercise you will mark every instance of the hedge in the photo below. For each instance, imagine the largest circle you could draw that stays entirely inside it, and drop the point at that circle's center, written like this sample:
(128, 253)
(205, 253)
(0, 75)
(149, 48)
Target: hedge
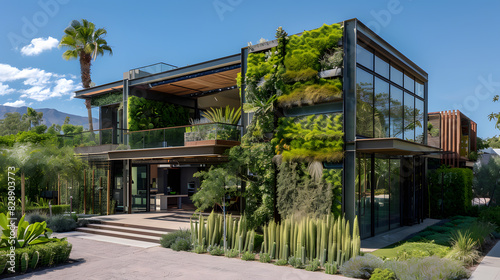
(50, 254)
(450, 192)
(56, 209)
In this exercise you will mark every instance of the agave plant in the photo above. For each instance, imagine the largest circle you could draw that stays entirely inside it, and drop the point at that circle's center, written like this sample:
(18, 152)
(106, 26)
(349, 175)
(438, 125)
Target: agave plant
(226, 115)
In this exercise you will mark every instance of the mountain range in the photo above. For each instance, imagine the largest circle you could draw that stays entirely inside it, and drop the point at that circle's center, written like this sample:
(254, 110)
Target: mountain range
(51, 116)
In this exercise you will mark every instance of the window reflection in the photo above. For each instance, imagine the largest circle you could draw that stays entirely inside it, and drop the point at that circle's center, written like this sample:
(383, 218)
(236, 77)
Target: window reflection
(396, 76)
(364, 103)
(419, 121)
(381, 67)
(396, 107)
(409, 117)
(364, 57)
(409, 83)
(419, 89)
(381, 114)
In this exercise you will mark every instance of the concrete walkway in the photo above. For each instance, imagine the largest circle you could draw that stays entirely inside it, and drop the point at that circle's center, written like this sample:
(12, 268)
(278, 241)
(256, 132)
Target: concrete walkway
(104, 260)
(489, 268)
(385, 239)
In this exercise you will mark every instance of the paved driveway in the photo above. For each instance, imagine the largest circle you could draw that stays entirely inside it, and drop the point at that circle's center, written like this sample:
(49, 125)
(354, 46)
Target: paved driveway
(103, 260)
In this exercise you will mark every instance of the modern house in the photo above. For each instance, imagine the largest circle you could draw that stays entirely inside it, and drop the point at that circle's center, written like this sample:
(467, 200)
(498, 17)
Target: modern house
(456, 135)
(380, 95)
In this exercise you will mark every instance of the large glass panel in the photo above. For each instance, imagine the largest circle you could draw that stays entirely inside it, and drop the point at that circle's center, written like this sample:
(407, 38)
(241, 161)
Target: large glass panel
(409, 83)
(396, 112)
(364, 103)
(139, 188)
(396, 76)
(395, 193)
(381, 114)
(419, 121)
(409, 117)
(381, 200)
(364, 195)
(364, 57)
(381, 67)
(419, 89)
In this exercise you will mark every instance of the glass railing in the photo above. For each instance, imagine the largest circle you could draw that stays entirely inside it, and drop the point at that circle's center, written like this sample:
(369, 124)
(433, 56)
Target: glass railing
(191, 135)
(199, 134)
(152, 69)
(93, 138)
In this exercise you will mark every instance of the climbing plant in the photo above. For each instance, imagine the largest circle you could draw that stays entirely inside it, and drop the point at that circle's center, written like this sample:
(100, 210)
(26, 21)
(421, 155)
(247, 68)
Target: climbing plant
(107, 99)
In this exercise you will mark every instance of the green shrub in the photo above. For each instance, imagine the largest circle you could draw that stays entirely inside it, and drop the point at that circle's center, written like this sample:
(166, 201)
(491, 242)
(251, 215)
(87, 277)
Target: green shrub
(181, 244)
(281, 262)
(216, 250)
(492, 215)
(383, 274)
(233, 253)
(264, 258)
(258, 240)
(453, 188)
(361, 266)
(331, 268)
(199, 249)
(60, 223)
(167, 240)
(419, 250)
(35, 218)
(482, 232)
(248, 256)
(295, 262)
(313, 265)
(427, 268)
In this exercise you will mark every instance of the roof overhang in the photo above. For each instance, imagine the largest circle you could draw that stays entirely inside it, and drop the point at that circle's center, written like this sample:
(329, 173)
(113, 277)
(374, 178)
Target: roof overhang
(98, 90)
(393, 146)
(170, 152)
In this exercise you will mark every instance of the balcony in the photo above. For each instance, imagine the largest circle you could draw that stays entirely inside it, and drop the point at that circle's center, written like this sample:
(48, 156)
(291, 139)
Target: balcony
(111, 139)
(150, 70)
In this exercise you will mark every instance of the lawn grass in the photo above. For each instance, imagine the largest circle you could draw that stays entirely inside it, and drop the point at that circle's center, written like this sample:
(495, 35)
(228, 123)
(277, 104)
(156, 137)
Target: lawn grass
(432, 241)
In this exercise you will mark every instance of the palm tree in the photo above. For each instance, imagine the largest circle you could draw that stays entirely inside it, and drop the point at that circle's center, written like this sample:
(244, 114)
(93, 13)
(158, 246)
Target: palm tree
(85, 42)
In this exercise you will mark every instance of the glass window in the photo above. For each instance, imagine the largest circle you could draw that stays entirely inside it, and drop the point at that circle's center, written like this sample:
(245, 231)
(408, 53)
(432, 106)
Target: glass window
(396, 106)
(419, 121)
(381, 199)
(363, 194)
(395, 193)
(381, 114)
(364, 103)
(364, 57)
(381, 67)
(396, 76)
(419, 89)
(409, 117)
(409, 83)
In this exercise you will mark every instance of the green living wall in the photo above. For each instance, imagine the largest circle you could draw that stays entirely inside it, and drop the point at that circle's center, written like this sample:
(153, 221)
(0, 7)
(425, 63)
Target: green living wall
(148, 114)
(450, 192)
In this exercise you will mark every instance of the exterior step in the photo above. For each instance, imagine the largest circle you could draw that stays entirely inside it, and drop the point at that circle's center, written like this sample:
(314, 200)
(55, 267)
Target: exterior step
(120, 234)
(119, 229)
(141, 227)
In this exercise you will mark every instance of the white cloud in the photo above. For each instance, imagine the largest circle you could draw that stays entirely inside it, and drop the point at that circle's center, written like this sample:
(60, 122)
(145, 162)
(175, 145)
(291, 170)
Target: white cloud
(5, 89)
(38, 45)
(18, 103)
(40, 85)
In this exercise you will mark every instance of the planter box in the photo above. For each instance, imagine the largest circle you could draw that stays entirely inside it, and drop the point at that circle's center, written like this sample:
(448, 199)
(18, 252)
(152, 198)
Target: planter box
(212, 143)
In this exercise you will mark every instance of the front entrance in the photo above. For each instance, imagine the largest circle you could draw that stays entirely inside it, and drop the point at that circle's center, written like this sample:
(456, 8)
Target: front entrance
(140, 190)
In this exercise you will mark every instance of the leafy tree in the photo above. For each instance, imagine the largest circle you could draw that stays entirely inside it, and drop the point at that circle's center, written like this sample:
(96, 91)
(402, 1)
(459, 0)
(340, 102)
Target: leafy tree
(85, 42)
(482, 143)
(12, 124)
(486, 181)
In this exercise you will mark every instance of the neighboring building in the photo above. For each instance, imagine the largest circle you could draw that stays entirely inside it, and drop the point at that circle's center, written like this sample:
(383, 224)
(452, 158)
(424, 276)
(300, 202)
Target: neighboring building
(456, 135)
(383, 103)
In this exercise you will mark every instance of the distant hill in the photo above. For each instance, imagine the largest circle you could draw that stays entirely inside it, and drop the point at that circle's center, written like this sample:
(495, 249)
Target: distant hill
(51, 116)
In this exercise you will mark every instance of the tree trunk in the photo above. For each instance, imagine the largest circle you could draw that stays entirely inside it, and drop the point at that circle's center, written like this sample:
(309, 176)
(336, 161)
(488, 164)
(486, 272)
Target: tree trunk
(85, 62)
(89, 113)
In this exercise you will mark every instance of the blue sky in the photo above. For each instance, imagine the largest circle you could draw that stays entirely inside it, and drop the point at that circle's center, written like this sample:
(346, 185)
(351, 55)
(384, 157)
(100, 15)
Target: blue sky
(455, 42)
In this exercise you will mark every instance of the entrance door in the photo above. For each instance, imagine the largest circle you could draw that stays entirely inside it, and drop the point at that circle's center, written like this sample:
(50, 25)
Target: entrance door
(139, 188)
